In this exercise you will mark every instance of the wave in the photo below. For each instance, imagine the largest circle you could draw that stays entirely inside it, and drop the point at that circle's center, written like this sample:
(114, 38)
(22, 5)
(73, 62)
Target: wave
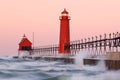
(24, 69)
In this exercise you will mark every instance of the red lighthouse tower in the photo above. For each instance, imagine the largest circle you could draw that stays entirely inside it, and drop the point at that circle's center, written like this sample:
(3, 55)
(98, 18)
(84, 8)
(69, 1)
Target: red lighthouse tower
(64, 31)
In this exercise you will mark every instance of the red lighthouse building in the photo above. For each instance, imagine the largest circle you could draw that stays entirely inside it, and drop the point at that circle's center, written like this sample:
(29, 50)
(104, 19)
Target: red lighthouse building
(64, 32)
(25, 44)
(25, 47)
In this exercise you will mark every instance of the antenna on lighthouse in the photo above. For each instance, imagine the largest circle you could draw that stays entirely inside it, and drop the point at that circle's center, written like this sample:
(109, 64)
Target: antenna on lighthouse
(33, 40)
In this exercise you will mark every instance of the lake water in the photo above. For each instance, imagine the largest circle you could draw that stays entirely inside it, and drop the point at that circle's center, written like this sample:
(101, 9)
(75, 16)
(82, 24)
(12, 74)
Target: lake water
(26, 69)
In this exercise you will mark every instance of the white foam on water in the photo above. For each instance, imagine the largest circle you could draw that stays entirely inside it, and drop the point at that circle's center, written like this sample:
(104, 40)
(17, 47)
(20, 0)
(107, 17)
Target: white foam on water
(79, 58)
(6, 57)
(109, 75)
(3, 66)
(85, 54)
(11, 79)
(99, 67)
(79, 70)
(23, 54)
(104, 75)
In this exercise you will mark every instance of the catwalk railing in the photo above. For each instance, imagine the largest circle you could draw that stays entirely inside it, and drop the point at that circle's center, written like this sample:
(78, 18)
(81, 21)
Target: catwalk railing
(50, 50)
(95, 46)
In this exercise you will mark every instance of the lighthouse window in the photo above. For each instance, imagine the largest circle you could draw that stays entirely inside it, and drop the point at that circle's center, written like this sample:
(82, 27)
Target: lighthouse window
(26, 47)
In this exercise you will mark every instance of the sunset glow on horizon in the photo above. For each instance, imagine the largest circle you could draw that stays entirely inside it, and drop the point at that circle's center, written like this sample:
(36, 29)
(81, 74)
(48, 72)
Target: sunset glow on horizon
(88, 18)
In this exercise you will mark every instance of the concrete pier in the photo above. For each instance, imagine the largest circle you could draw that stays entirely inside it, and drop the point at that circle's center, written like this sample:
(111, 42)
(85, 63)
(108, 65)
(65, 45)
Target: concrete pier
(110, 64)
(63, 59)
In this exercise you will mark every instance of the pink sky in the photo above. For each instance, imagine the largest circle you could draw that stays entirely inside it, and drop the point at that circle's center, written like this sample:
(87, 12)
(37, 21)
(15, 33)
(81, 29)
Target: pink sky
(88, 18)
